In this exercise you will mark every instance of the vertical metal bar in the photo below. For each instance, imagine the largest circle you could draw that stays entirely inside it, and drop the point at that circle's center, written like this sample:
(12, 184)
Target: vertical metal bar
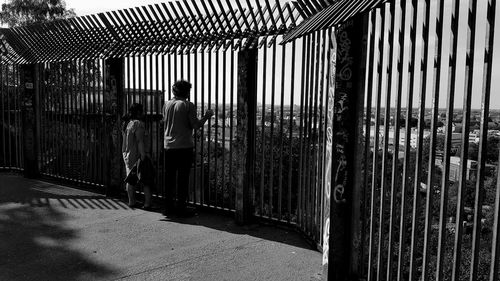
(196, 151)
(163, 78)
(282, 101)
(494, 24)
(307, 132)
(433, 23)
(263, 128)
(88, 123)
(409, 108)
(382, 86)
(95, 126)
(485, 112)
(457, 253)
(128, 99)
(216, 131)
(375, 157)
(64, 115)
(9, 105)
(450, 76)
(100, 130)
(81, 73)
(231, 126)
(209, 142)
(290, 133)
(421, 85)
(159, 135)
(59, 110)
(398, 21)
(134, 78)
(223, 166)
(139, 79)
(188, 77)
(152, 112)
(314, 181)
(40, 114)
(271, 154)
(203, 128)
(305, 60)
(309, 117)
(15, 73)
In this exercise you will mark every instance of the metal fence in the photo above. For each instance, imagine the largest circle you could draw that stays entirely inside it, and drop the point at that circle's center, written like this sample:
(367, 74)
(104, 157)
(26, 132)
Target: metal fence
(291, 87)
(72, 134)
(10, 107)
(289, 133)
(431, 157)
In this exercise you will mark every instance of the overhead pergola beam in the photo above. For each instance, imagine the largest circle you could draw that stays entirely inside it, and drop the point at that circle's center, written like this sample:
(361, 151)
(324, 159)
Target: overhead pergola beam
(173, 27)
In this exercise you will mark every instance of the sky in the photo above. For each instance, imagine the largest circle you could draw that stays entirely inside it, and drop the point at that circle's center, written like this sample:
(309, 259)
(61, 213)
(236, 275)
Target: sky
(97, 6)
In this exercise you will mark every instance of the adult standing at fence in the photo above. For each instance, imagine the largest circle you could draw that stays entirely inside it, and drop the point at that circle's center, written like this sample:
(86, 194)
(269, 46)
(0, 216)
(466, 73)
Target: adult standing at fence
(179, 119)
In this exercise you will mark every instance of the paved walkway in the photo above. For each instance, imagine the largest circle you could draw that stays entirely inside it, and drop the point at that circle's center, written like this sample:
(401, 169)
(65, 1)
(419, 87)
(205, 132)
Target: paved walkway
(51, 232)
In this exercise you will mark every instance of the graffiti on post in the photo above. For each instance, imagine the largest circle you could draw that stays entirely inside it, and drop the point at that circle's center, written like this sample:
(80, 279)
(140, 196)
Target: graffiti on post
(329, 150)
(343, 86)
(341, 75)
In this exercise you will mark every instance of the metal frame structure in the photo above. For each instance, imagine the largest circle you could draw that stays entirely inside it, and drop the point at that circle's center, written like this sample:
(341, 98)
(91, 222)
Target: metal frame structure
(173, 27)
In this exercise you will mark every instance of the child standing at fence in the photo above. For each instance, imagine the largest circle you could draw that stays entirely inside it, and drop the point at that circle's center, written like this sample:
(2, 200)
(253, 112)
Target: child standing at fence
(180, 119)
(133, 150)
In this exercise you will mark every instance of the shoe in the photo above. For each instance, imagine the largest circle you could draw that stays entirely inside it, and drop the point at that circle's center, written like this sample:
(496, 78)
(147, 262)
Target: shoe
(134, 206)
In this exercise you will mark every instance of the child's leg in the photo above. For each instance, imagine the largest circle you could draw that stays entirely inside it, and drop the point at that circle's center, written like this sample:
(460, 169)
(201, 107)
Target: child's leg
(131, 194)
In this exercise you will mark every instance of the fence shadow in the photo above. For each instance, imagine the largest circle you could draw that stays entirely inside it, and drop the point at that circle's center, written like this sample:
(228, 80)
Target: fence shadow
(36, 244)
(41, 194)
(216, 221)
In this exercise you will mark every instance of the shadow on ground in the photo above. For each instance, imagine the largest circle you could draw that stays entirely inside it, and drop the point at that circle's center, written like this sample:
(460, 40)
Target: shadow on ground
(38, 194)
(225, 223)
(35, 241)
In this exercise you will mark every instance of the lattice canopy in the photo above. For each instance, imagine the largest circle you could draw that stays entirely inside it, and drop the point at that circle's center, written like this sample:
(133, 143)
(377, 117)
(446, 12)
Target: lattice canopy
(180, 26)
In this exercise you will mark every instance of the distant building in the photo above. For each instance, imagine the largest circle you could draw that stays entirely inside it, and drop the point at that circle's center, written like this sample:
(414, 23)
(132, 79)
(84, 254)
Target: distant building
(471, 172)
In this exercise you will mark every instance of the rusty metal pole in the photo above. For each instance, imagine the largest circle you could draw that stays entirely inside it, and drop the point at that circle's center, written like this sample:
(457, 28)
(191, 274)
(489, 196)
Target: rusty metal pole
(113, 99)
(29, 91)
(343, 200)
(244, 150)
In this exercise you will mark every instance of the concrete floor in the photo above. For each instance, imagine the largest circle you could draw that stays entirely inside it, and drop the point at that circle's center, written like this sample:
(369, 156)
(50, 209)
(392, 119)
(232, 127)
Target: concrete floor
(51, 232)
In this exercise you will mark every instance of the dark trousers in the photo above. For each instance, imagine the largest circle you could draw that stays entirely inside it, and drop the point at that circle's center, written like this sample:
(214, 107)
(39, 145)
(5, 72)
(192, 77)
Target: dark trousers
(177, 168)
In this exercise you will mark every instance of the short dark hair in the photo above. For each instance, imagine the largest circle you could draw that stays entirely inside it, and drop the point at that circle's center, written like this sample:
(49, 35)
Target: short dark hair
(133, 114)
(134, 110)
(181, 88)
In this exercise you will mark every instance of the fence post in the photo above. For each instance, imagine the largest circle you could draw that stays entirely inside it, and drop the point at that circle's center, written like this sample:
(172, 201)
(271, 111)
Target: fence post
(245, 133)
(342, 233)
(112, 108)
(29, 91)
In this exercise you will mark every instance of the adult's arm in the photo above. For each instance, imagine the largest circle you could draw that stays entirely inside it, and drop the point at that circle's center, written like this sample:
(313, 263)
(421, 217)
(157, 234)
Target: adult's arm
(193, 119)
